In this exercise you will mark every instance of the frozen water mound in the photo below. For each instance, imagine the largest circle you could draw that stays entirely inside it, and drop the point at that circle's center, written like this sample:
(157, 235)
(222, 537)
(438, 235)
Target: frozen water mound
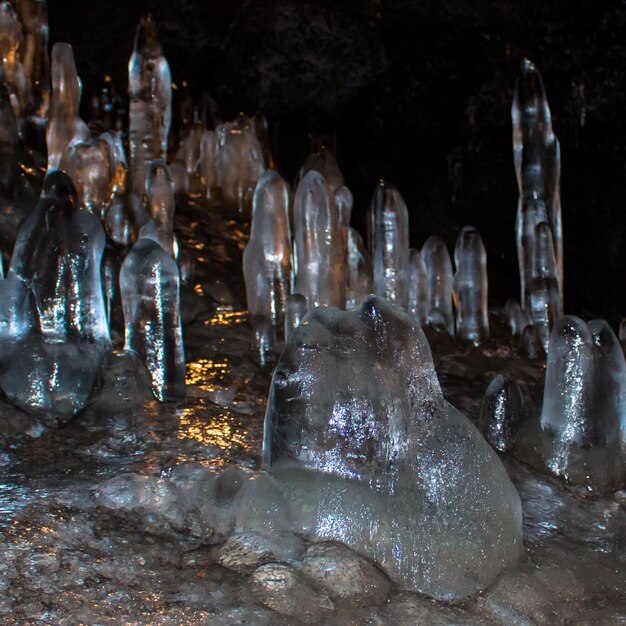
(365, 451)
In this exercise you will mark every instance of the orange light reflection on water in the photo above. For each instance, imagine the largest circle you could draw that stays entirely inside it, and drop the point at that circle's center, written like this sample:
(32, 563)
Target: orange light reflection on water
(218, 431)
(206, 374)
(226, 317)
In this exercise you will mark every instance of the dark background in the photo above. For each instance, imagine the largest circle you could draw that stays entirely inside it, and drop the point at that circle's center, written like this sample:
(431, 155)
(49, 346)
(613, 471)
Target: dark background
(410, 91)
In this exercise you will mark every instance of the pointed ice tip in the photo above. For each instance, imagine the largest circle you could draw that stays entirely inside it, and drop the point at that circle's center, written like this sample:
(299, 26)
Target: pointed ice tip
(59, 185)
(527, 66)
(146, 41)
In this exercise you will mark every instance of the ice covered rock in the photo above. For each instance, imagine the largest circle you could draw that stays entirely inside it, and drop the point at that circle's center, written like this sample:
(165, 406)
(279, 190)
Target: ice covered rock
(149, 287)
(64, 123)
(366, 452)
(440, 284)
(319, 242)
(267, 257)
(537, 158)
(388, 236)
(501, 413)
(150, 114)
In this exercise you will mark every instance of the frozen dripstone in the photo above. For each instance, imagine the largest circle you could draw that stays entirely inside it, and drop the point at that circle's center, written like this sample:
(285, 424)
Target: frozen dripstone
(11, 39)
(501, 413)
(568, 391)
(319, 241)
(358, 271)
(149, 286)
(388, 238)
(324, 162)
(150, 115)
(88, 164)
(344, 202)
(64, 123)
(267, 257)
(208, 162)
(471, 286)
(240, 165)
(516, 318)
(440, 284)
(295, 310)
(161, 202)
(365, 451)
(58, 255)
(33, 15)
(544, 297)
(609, 397)
(417, 288)
(537, 160)
(110, 280)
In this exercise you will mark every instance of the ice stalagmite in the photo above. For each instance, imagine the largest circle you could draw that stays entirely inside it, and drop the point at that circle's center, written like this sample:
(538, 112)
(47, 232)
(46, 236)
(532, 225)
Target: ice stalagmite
(358, 270)
(365, 451)
(319, 243)
(161, 202)
(544, 298)
(501, 413)
(537, 160)
(33, 15)
(567, 396)
(149, 287)
(417, 288)
(11, 39)
(208, 162)
(388, 237)
(609, 402)
(267, 257)
(64, 123)
(344, 202)
(516, 318)
(295, 310)
(58, 255)
(150, 115)
(440, 284)
(239, 165)
(88, 164)
(324, 162)
(470, 286)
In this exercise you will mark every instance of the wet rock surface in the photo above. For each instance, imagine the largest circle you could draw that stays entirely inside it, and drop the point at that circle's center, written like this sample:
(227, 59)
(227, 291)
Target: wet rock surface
(125, 514)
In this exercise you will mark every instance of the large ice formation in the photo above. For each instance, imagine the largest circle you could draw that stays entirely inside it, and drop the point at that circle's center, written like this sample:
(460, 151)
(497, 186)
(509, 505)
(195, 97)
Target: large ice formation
(366, 452)
(440, 284)
(537, 160)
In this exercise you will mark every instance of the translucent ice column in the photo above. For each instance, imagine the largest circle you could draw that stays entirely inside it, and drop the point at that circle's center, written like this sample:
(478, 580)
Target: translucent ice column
(64, 123)
(516, 318)
(567, 396)
(471, 286)
(358, 270)
(11, 39)
(150, 90)
(501, 413)
(33, 15)
(88, 164)
(208, 161)
(149, 287)
(161, 201)
(319, 241)
(367, 452)
(240, 164)
(295, 310)
(388, 235)
(417, 288)
(267, 257)
(324, 162)
(544, 297)
(440, 284)
(537, 160)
